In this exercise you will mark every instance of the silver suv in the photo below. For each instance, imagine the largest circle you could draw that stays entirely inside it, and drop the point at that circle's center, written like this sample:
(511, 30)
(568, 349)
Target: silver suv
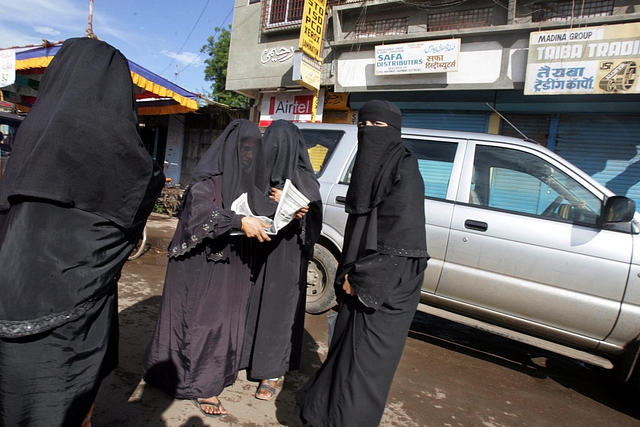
(522, 242)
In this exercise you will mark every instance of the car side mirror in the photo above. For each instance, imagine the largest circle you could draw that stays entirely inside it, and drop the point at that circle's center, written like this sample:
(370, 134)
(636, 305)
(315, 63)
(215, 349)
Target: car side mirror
(618, 209)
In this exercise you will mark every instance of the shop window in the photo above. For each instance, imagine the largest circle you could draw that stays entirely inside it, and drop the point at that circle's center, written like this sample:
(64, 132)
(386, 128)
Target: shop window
(473, 18)
(567, 9)
(282, 13)
(382, 27)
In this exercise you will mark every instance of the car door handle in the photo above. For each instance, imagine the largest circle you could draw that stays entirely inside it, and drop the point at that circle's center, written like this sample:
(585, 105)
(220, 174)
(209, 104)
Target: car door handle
(476, 225)
(341, 199)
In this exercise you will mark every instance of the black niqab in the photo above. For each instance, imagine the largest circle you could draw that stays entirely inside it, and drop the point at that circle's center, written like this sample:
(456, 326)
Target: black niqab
(85, 122)
(287, 156)
(380, 152)
(381, 220)
(225, 157)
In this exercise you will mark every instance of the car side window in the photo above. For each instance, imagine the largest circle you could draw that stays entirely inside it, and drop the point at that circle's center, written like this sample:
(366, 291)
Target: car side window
(521, 182)
(435, 161)
(320, 145)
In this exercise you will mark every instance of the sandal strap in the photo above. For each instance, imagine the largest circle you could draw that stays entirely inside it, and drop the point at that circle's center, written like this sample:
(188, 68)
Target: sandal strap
(267, 387)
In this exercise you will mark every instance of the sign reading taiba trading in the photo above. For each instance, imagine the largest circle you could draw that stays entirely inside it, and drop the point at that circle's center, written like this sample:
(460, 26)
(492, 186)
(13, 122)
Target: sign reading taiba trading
(312, 28)
(589, 60)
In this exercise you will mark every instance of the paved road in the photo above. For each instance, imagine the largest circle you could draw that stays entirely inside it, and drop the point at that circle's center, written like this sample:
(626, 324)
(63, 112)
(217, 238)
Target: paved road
(449, 375)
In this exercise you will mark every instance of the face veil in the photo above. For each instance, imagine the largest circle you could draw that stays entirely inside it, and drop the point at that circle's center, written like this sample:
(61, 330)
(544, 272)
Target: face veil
(380, 151)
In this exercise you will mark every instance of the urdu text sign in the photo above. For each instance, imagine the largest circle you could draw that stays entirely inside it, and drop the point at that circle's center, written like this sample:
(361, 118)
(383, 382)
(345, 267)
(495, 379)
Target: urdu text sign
(312, 28)
(435, 56)
(589, 60)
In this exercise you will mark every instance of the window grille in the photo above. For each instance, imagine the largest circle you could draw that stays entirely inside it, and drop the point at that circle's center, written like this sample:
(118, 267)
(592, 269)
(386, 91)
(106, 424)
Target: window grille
(383, 27)
(561, 10)
(473, 18)
(282, 13)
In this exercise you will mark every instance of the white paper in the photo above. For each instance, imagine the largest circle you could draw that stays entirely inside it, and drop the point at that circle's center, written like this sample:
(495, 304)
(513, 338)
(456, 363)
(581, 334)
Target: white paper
(291, 201)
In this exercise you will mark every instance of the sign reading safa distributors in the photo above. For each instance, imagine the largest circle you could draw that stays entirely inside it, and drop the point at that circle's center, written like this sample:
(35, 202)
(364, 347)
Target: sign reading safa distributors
(434, 56)
(312, 28)
(589, 60)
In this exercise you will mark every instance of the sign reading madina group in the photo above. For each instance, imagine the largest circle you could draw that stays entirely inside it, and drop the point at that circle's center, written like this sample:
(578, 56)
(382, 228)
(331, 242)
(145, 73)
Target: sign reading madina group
(312, 28)
(588, 60)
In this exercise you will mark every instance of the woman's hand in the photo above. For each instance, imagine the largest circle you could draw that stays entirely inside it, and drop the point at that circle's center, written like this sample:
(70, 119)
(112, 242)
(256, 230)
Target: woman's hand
(350, 290)
(275, 194)
(302, 212)
(254, 228)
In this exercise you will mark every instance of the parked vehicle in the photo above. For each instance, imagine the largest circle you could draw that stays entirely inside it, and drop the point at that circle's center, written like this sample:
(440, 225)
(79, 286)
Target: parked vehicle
(522, 242)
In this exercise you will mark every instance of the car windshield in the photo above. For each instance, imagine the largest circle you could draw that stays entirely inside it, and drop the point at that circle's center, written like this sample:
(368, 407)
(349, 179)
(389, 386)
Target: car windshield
(320, 144)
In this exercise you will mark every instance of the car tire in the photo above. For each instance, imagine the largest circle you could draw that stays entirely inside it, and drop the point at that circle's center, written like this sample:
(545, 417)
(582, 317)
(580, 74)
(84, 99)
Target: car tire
(321, 275)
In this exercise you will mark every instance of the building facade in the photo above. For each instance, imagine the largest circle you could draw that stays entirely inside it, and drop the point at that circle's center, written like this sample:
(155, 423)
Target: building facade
(561, 72)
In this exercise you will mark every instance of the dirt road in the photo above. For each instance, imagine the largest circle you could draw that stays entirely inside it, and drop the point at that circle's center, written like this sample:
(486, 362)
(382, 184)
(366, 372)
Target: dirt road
(449, 375)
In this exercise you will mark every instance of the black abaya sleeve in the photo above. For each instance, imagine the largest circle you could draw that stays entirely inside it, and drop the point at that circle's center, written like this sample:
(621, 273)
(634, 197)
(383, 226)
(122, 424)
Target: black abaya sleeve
(375, 276)
(203, 217)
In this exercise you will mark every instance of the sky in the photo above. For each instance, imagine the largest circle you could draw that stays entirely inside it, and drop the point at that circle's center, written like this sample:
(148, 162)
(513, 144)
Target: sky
(163, 36)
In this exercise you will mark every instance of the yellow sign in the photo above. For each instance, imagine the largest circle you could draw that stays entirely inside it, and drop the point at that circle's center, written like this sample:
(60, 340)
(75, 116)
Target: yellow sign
(336, 101)
(306, 71)
(312, 28)
(314, 106)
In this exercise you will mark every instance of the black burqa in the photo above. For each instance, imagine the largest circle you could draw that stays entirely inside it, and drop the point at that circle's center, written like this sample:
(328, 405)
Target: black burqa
(73, 202)
(384, 255)
(275, 321)
(196, 346)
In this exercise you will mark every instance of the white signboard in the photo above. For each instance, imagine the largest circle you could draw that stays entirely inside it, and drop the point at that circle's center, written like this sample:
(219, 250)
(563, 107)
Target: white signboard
(7, 67)
(436, 56)
(306, 71)
(291, 106)
(591, 60)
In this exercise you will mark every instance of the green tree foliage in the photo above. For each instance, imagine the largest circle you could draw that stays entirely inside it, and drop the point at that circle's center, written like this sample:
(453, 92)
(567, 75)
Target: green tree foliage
(216, 71)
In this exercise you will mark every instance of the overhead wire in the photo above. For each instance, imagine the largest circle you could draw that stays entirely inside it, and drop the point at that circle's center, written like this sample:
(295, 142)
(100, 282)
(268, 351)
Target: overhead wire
(214, 34)
(185, 42)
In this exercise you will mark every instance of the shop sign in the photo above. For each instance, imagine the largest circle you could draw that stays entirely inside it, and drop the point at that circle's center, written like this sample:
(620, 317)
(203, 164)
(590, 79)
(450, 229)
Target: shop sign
(276, 55)
(336, 100)
(435, 56)
(588, 60)
(312, 28)
(291, 106)
(7, 67)
(306, 71)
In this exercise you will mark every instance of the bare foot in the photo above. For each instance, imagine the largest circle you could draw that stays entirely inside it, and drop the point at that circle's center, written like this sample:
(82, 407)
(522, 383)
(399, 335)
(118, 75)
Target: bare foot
(212, 406)
(266, 390)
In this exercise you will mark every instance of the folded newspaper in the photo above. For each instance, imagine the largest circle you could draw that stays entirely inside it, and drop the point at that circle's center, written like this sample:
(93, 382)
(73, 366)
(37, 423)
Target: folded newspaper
(291, 201)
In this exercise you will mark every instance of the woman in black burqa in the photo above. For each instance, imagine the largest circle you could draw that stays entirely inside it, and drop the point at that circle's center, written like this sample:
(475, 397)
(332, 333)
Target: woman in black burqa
(73, 203)
(195, 350)
(275, 324)
(378, 279)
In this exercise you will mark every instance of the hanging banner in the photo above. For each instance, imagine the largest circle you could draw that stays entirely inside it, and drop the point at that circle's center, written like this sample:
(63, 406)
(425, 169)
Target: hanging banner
(589, 60)
(7, 67)
(435, 56)
(312, 28)
(292, 106)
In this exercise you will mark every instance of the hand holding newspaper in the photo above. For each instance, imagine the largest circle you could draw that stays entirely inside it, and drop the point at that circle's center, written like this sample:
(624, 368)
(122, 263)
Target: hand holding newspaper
(291, 201)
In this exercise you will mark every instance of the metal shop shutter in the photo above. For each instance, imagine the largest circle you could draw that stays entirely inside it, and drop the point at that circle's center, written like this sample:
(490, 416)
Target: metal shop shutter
(471, 122)
(534, 126)
(607, 147)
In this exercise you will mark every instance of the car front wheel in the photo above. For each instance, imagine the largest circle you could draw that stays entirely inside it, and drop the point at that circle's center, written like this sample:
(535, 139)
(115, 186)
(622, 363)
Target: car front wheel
(321, 275)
